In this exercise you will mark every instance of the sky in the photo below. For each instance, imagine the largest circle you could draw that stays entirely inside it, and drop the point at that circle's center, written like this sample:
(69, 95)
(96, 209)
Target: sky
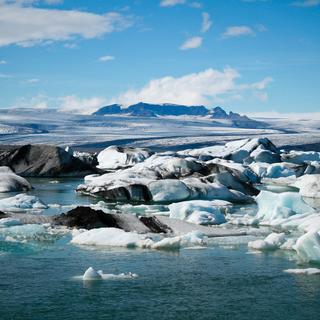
(245, 55)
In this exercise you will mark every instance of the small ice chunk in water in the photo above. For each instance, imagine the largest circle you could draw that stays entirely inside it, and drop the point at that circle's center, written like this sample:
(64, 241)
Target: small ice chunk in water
(272, 242)
(307, 271)
(92, 274)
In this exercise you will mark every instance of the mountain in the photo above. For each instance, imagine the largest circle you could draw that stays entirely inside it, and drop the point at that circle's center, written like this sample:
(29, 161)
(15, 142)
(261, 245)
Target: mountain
(153, 110)
(142, 109)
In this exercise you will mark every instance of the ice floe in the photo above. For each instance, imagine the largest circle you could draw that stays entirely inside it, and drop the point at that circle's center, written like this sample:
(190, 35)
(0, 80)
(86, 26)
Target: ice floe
(272, 242)
(200, 211)
(113, 237)
(307, 271)
(92, 275)
(21, 202)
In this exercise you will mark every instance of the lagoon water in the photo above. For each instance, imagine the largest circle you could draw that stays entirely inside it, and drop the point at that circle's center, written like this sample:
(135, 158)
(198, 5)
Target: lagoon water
(217, 282)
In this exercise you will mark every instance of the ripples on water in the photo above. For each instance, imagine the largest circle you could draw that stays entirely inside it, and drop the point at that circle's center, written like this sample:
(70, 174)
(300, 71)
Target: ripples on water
(218, 282)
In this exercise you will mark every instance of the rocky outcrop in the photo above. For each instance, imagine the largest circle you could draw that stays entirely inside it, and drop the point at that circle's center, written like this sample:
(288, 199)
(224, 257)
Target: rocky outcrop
(88, 218)
(44, 161)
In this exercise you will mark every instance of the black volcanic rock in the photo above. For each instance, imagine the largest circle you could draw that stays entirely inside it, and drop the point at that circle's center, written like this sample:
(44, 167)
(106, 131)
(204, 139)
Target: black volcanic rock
(155, 225)
(87, 218)
(44, 161)
(3, 215)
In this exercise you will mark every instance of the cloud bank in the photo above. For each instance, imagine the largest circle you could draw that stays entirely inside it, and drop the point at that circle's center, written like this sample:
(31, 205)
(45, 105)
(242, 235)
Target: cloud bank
(27, 26)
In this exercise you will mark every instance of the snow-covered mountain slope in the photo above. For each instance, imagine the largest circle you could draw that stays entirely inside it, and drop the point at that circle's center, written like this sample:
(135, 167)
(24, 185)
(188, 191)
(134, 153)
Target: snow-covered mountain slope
(165, 132)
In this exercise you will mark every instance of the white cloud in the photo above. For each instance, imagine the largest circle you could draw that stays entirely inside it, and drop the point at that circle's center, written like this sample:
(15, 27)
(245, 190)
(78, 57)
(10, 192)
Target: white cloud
(307, 3)
(171, 3)
(237, 31)
(33, 80)
(3, 62)
(75, 104)
(27, 26)
(195, 4)
(206, 87)
(191, 43)
(5, 76)
(106, 58)
(206, 22)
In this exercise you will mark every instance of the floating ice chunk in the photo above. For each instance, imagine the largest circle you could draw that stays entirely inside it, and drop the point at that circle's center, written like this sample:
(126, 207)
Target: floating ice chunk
(9, 222)
(278, 170)
(300, 157)
(24, 233)
(276, 206)
(307, 271)
(272, 242)
(115, 157)
(309, 185)
(308, 247)
(199, 211)
(112, 237)
(10, 182)
(21, 202)
(168, 190)
(91, 274)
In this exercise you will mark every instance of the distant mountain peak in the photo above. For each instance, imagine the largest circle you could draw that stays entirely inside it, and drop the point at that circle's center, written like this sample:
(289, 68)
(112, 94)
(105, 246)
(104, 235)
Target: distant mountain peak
(143, 109)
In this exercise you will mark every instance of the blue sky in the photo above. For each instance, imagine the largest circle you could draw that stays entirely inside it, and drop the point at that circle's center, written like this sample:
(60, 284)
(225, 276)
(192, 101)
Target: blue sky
(246, 55)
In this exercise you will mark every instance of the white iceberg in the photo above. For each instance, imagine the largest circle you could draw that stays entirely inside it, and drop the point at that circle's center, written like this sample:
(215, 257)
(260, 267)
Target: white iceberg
(309, 185)
(272, 242)
(308, 247)
(10, 182)
(199, 211)
(21, 202)
(274, 207)
(115, 157)
(113, 237)
(307, 271)
(92, 275)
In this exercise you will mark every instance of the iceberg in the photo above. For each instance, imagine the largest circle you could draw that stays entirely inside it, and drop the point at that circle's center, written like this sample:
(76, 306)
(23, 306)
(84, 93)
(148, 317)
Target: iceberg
(272, 242)
(115, 157)
(307, 271)
(274, 207)
(309, 185)
(300, 157)
(308, 247)
(21, 202)
(92, 275)
(200, 211)
(10, 182)
(113, 237)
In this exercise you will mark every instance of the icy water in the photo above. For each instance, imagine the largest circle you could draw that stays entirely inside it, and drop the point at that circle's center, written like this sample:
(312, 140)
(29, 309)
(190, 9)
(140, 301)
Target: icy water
(218, 282)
